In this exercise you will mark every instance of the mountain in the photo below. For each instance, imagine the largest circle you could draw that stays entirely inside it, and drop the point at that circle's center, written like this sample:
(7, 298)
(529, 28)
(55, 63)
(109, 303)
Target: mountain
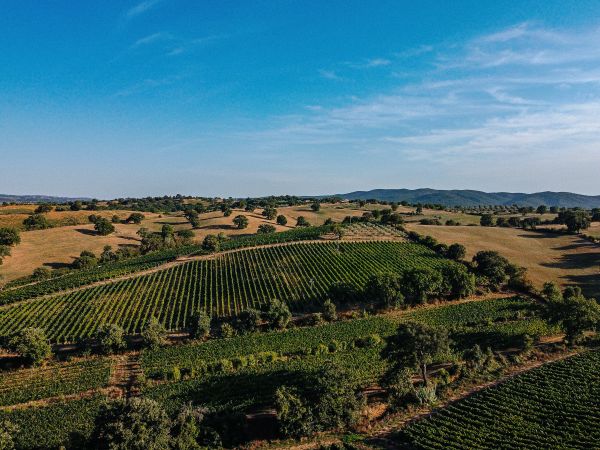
(38, 199)
(474, 198)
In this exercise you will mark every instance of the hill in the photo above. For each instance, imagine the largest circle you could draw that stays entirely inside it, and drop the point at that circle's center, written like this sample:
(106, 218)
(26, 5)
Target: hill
(465, 197)
(38, 198)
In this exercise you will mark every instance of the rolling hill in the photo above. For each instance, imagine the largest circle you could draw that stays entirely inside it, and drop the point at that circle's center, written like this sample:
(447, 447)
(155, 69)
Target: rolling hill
(473, 198)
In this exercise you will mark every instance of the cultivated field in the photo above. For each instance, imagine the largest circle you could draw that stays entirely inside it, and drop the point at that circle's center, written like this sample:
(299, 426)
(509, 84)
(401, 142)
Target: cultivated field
(562, 258)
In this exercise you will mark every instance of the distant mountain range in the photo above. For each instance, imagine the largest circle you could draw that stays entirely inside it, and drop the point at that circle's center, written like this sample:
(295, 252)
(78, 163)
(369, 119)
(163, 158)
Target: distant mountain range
(474, 198)
(38, 198)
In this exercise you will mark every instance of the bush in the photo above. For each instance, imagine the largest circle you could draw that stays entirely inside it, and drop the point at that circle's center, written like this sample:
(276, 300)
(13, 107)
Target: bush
(200, 325)
(7, 431)
(226, 330)
(384, 289)
(343, 293)
(134, 424)
(32, 345)
(154, 334)
(281, 220)
(302, 222)
(41, 273)
(9, 236)
(401, 391)
(248, 320)
(266, 228)
(111, 338)
(329, 311)
(36, 222)
(104, 227)
(278, 314)
(456, 252)
(211, 243)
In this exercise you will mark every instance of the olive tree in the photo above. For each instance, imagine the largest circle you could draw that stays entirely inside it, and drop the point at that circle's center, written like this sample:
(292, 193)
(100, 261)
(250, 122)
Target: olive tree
(31, 344)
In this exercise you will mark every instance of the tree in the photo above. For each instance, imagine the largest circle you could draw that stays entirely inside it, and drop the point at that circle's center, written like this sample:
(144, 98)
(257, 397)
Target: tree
(240, 222)
(458, 280)
(108, 255)
(302, 222)
(189, 433)
(456, 252)
(154, 334)
(576, 221)
(248, 321)
(200, 325)
(269, 212)
(167, 232)
(277, 314)
(266, 228)
(227, 212)
(186, 237)
(316, 206)
(342, 293)
(7, 432)
(551, 292)
(136, 218)
(542, 209)
(419, 284)
(295, 418)
(329, 311)
(384, 289)
(416, 345)
(487, 220)
(192, 216)
(211, 243)
(133, 424)
(574, 313)
(281, 220)
(43, 208)
(9, 236)
(41, 273)
(110, 338)
(104, 227)
(85, 260)
(36, 222)
(491, 265)
(32, 345)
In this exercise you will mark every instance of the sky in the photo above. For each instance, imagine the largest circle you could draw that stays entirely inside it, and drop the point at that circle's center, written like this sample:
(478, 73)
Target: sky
(227, 98)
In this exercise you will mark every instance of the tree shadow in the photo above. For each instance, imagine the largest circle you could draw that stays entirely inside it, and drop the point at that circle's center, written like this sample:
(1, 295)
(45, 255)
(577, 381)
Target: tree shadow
(575, 261)
(220, 227)
(57, 265)
(185, 222)
(589, 284)
(87, 232)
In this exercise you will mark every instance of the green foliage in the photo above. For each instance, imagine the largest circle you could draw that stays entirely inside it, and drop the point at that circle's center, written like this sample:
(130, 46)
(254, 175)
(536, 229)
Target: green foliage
(459, 281)
(269, 212)
(574, 313)
(200, 325)
(384, 289)
(329, 311)
(266, 228)
(7, 431)
(85, 260)
(135, 217)
(41, 273)
(416, 345)
(492, 266)
(240, 222)
(154, 334)
(302, 222)
(110, 338)
(9, 236)
(36, 222)
(248, 320)
(135, 424)
(418, 284)
(487, 220)
(211, 243)
(277, 314)
(31, 344)
(400, 388)
(281, 220)
(456, 252)
(553, 406)
(104, 227)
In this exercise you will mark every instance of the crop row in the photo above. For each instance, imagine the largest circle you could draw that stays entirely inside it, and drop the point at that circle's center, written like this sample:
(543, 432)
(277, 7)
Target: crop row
(554, 406)
(60, 379)
(225, 285)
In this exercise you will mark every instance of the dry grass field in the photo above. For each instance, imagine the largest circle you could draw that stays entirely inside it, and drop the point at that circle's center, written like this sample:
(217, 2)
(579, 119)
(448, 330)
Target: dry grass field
(562, 258)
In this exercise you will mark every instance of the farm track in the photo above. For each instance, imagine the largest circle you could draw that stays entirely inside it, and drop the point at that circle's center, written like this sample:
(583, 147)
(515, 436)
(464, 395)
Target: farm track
(186, 259)
(124, 382)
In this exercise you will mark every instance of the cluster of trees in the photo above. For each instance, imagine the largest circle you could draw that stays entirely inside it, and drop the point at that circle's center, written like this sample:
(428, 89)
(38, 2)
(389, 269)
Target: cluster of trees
(275, 315)
(103, 226)
(385, 216)
(569, 309)
(9, 237)
(165, 238)
(574, 219)
(142, 424)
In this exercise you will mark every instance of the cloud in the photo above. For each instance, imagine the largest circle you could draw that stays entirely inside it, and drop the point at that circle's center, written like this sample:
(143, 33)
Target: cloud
(329, 75)
(151, 39)
(141, 8)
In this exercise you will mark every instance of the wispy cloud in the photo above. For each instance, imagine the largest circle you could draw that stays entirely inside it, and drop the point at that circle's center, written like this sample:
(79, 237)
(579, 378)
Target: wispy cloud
(152, 38)
(141, 8)
(329, 75)
(525, 90)
(174, 45)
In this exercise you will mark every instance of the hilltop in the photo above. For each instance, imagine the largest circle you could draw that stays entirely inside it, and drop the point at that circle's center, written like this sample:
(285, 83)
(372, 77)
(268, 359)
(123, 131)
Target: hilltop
(466, 197)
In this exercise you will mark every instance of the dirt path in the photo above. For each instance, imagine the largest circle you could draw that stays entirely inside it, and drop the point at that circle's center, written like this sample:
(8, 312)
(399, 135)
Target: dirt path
(185, 259)
(124, 381)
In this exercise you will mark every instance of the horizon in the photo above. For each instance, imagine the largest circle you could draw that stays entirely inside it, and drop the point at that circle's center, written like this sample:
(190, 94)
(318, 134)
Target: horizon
(155, 97)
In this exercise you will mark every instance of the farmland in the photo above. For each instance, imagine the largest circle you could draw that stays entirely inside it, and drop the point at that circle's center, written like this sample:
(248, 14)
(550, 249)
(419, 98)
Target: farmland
(563, 258)
(224, 285)
(554, 406)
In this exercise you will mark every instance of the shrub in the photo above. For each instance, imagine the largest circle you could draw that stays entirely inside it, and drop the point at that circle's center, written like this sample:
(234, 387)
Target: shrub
(329, 311)
(134, 424)
(384, 289)
(278, 314)
(248, 320)
(7, 431)
(32, 345)
(211, 243)
(104, 227)
(401, 391)
(9, 236)
(200, 325)
(154, 334)
(226, 330)
(266, 228)
(281, 220)
(342, 293)
(110, 338)
(36, 222)
(456, 252)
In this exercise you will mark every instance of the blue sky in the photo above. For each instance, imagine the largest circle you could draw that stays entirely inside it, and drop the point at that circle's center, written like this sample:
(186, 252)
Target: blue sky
(115, 98)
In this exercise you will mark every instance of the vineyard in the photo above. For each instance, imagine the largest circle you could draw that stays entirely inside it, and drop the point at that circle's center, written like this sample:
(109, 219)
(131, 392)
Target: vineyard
(224, 285)
(554, 406)
(59, 379)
